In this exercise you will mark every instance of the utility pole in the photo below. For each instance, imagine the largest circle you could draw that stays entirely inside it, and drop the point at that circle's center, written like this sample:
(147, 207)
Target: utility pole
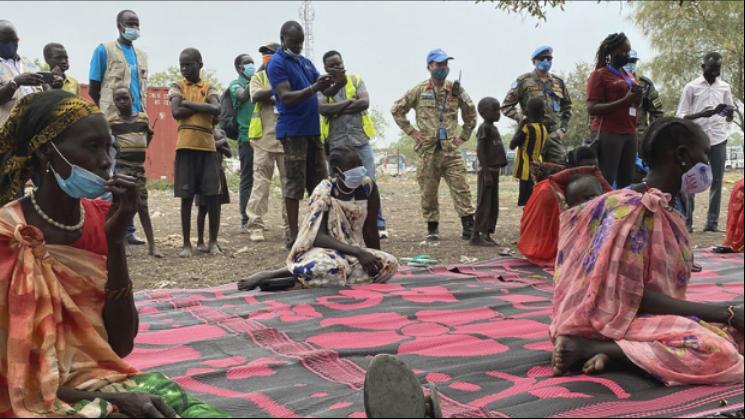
(307, 14)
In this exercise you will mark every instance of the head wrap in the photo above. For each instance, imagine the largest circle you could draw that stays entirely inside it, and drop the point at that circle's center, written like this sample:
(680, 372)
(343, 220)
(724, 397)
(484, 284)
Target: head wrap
(35, 120)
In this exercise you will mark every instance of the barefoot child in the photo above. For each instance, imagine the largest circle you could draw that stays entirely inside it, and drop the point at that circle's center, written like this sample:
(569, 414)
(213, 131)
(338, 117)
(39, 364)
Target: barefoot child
(492, 159)
(133, 135)
(223, 149)
(529, 140)
(195, 104)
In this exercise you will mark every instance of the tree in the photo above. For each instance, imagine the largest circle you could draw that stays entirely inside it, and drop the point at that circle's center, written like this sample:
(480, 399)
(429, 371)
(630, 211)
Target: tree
(579, 125)
(379, 123)
(535, 8)
(173, 74)
(682, 35)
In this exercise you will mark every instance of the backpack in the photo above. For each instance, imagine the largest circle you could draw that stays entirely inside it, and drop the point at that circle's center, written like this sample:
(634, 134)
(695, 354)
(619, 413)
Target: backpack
(228, 121)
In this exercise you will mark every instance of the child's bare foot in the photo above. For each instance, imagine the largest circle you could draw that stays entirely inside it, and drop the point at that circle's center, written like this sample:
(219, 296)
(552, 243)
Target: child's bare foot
(569, 352)
(253, 281)
(214, 249)
(186, 252)
(202, 248)
(153, 253)
(596, 364)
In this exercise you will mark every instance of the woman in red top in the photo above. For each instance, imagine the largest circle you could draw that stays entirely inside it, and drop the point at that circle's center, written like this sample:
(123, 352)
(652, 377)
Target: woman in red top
(613, 99)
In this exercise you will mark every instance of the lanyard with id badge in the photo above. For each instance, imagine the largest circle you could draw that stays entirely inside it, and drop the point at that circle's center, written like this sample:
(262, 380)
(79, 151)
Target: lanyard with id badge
(442, 132)
(629, 83)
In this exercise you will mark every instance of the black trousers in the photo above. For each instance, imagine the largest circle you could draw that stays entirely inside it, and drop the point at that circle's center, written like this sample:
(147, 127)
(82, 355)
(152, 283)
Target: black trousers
(526, 189)
(246, 156)
(487, 208)
(616, 157)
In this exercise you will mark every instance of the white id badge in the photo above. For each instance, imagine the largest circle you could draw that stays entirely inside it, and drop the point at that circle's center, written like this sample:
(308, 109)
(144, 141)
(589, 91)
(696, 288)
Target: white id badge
(632, 111)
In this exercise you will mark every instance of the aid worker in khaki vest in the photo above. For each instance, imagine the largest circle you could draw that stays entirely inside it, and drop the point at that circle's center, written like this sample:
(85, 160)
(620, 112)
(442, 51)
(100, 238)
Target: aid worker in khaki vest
(119, 62)
(268, 151)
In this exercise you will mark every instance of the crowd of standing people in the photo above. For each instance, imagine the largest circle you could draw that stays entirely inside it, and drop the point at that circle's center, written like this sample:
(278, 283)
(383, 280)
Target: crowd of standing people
(62, 246)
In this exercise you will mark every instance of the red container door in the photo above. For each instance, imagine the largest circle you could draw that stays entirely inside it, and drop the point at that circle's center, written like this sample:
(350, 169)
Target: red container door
(162, 151)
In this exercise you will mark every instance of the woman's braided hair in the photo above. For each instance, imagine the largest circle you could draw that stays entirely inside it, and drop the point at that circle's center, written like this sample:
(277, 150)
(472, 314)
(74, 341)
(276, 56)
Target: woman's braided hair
(664, 134)
(610, 43)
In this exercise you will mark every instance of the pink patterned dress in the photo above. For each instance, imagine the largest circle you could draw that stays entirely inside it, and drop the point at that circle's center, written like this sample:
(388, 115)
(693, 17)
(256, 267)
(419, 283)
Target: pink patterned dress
(611, 250)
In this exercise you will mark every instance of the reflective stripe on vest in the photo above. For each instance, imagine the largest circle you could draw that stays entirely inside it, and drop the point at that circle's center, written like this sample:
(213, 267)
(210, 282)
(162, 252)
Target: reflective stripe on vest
(351, 91)
(256, 128)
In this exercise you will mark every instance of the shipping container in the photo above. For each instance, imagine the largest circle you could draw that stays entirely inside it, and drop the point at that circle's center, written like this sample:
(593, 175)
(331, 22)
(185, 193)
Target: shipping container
(162, 150)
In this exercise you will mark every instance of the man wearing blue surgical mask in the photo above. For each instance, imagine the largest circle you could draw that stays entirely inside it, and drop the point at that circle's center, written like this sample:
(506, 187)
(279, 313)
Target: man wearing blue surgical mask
(542, 83)
(240, 95)
(116, 62)
(437, 103)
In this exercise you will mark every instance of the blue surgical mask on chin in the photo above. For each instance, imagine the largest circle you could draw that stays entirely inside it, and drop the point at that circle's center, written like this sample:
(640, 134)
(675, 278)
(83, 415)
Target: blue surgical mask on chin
(249, 70)
(131, 34)
(353, 178)
(290, 53)
(543, 66)
(630, 67)
(81, 183)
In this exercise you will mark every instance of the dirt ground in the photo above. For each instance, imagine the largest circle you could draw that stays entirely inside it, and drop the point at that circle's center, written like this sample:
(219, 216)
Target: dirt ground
(400, 197)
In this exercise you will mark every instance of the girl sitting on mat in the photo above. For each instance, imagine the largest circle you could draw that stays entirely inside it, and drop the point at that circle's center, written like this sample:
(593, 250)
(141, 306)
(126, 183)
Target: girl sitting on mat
(622, 272)
(338, 244)
(67, 312)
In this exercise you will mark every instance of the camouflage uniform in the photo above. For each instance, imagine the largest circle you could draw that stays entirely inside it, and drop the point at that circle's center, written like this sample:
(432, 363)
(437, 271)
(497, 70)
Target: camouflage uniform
(439, 158)
(651, 107)
(558, 109)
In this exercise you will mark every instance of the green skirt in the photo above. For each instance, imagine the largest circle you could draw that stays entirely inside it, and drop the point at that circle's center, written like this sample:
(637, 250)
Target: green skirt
(155, 384)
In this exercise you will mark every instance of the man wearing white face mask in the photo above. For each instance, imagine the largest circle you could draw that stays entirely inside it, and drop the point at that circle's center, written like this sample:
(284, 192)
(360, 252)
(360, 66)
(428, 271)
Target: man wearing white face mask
(119, 62)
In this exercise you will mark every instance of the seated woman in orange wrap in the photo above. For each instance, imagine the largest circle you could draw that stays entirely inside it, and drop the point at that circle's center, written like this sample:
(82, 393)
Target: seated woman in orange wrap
(539, 227)
(733, 241)
(67, 313)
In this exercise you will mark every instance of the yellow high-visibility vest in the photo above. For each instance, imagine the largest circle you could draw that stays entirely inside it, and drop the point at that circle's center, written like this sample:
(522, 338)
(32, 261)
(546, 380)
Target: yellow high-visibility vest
(255, 128)
(351, 92)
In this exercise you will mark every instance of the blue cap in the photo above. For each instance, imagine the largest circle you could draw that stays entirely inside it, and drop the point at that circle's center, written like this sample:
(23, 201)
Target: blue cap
(540, 50)
(438, 56)
(633, 56)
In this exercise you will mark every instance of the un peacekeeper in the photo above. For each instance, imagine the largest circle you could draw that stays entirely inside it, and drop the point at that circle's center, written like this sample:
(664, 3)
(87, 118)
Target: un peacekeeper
(436, 103)
(540, 82)
(651, 107)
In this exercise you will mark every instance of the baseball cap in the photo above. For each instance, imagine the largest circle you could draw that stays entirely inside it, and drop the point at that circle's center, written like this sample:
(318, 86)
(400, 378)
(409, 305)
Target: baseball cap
(633, 56)
(438, 56)
(269, 48)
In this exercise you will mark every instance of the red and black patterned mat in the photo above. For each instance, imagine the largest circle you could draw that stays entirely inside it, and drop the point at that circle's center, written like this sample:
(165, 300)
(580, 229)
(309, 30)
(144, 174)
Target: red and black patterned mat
(478, 331)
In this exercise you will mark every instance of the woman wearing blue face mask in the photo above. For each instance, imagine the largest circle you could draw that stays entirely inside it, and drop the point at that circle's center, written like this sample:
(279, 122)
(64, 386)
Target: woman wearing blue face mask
(66, 299)
(338, 243)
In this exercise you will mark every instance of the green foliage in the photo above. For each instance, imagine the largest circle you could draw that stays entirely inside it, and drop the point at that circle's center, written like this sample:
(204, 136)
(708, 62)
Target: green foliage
(535, 8)
(40, 65)
(579, 125)
(379, 123)
(173, 74)
(682, 35)
(736, 138)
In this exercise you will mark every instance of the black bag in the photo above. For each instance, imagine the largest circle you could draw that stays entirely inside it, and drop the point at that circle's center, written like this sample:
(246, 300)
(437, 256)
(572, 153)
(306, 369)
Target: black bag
(228, 121)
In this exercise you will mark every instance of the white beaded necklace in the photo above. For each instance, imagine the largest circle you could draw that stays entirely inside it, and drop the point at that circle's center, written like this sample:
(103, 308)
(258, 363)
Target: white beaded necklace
(54, 223)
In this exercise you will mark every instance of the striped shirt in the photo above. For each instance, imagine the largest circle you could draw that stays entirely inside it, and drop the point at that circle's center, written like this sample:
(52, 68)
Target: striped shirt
(534, 136)
(131, 137)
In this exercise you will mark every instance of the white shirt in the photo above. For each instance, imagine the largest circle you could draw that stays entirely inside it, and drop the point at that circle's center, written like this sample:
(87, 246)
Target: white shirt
(15, 66)
(698, 96)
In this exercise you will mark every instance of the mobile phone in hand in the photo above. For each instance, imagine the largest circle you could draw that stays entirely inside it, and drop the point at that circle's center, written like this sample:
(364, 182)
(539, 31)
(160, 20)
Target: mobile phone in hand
(47, 76)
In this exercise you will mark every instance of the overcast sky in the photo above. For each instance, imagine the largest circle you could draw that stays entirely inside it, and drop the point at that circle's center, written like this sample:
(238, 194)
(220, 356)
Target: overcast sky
(385, 42)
